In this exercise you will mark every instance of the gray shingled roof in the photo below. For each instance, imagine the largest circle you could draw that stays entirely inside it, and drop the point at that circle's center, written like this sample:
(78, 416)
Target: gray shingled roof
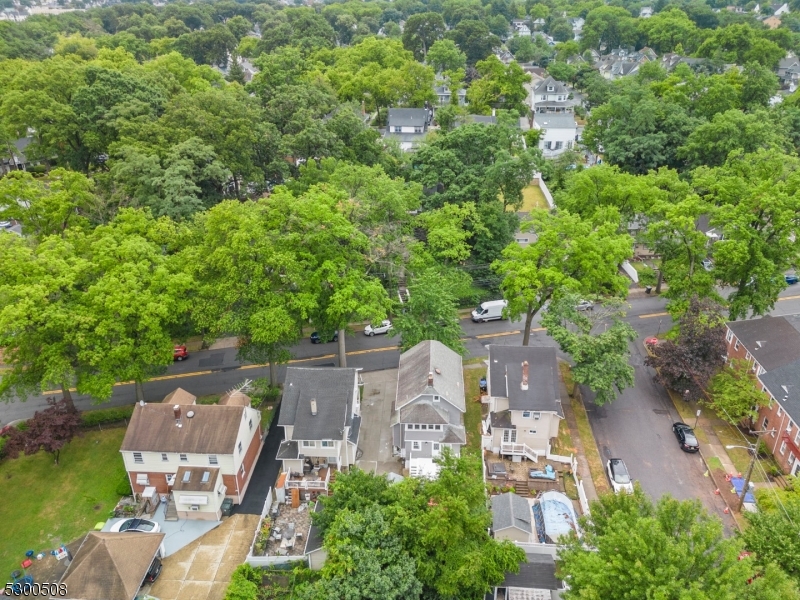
(407, 117)
(780, 341)
(555, 121)
(422, 412)
(502, 420)
(543, 393)
(510, 510)
(287, 450)
(314, 540)
(558, 87)
(332, 388)
(538, 573)
(784, 385)
(454, 434)
(429, 357)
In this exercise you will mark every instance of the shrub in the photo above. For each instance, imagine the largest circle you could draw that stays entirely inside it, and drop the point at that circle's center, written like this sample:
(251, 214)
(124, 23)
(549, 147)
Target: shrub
(93, 418)
(2, 443)
(245, 583)
(124, 486)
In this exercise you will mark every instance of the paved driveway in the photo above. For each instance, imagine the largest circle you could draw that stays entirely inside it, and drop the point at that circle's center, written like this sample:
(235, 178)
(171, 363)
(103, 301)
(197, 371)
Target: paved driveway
(202, 570)
(265, 473)
(637, 427)
(375, 438)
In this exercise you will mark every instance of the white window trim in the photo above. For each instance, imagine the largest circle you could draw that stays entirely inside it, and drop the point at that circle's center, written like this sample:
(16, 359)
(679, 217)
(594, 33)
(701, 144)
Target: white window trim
(241, 448)
(537, 416)
(212, 459)
(748, 356)
(415, 445)
(326, 444)
(164, 457)
(184, 458)
(308, 444)
(526, 414)
(736, 345)
(780, 411)
(532, 431)
(783, 448)
(138, 458)
(729, 336)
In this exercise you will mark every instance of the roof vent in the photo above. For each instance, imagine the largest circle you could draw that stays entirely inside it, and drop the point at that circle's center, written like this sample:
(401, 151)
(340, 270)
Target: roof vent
(190, 414)
(438, 371)
(430, 379)
(314, 407)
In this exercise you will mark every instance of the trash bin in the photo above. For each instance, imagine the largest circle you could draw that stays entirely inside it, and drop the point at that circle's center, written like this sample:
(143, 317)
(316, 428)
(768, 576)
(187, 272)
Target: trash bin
(648, 289)
(227, 507)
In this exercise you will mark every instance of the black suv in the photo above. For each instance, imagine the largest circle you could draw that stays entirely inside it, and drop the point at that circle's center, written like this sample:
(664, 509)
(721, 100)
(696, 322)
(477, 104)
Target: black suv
(686, 439)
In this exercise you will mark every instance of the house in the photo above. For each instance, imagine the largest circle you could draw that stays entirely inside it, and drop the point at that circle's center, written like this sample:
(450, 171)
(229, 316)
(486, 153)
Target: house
(671, 60)
(512, 518)
(772, 22)
(163, 437)
(780, 9)
(559, 132)
(520, 27)
(409, 126)
(524, 400)
(110, 566)
(645, 12)
(771, 346)
(321, 418)
(445, 95)
(536, 580)
(504, 56)
(622, 62)
(198, 493)
(429, 407)
(577, 27)
(713, 234)
(551, 96)
(789, 72)
(12, 156)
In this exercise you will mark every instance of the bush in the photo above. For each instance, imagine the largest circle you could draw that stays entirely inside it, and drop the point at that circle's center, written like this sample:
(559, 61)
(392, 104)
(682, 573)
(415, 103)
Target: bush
(93, 418)
(23, 426)
(245, 583)
(2, 443)
(124, 486)
(647, 276)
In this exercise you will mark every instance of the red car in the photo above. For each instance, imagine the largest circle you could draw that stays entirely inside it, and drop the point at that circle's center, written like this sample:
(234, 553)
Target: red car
(179, 353)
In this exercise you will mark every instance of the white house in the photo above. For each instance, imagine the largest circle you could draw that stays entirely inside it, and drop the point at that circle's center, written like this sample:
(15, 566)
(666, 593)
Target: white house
(409, 126)
(559, 132)
(551, 96)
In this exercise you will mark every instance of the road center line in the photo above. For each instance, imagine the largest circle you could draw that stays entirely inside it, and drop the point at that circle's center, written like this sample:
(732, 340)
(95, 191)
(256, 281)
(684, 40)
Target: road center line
(651, 315)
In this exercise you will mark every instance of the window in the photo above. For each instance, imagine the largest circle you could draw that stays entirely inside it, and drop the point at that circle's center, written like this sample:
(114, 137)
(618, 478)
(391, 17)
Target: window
(164, 457)
(761, 370)
(417, 129)
(424, 427)
(797, 437)
(416, 426)
(748, 356)
(548, 145)
(783, 447)
(307, 444)
(137, 458)
(184, 458)
(780, 412)
(526, 414)
(736, 345)
(789, 427)
(537, 415)
(415, 445)
(559, 145)
(550, 88)
(729, 336)
(560, 98)
(569, 144)
(509, 436)
(522, 240)
(212, 459)
(250, 423)
(326, 444)
(240, 447)
(765, 424)
(242, 471)
(398, 129)
(409, 426)
(435, 447)
(436, 398)
(437, 427)
(532, 431)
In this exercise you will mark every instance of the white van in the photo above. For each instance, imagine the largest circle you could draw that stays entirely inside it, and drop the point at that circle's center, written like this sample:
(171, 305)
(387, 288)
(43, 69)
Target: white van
(489, 311)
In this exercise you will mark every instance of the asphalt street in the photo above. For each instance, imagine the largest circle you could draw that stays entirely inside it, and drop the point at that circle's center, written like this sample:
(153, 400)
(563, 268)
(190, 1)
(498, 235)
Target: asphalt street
(636, 427)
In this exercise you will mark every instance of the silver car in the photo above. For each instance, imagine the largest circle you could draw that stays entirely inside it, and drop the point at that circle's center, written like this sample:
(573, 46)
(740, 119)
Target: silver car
(619, 476)
(384, 327)
(584, 305)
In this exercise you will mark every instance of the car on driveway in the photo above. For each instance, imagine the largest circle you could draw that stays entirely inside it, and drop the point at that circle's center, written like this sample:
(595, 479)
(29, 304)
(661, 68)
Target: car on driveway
(317, 339)
(154, 571)
(138, 525)
(384, 327)
(5, 224)
(584, 305)
(179, 353)
(708, 264)
(619, 476)
(791, 279)
(686, 439)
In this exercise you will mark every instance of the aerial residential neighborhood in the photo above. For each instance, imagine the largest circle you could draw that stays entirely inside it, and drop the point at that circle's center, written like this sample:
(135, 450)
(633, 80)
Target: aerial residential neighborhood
(324, 300)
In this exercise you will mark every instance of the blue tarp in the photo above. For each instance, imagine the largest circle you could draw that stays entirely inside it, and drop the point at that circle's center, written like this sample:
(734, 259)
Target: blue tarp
(738, 483)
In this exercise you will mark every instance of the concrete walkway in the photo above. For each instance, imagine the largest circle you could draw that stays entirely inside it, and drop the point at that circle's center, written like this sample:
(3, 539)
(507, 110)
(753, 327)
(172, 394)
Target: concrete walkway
(202, 570)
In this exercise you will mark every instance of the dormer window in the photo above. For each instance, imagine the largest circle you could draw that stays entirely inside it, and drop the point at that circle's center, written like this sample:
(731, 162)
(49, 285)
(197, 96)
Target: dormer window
(550, 88)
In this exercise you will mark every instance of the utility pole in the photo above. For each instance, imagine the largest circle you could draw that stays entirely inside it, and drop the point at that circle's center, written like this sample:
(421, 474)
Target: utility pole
(754, 449)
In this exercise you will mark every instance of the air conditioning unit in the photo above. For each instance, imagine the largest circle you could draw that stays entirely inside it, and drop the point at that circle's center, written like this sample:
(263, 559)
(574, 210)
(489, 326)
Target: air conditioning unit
(195, 507)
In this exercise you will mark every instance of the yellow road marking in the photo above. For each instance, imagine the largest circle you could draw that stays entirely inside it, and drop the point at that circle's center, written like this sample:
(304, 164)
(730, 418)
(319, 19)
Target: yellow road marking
(651, 315)
(498, 334)
(788, 298)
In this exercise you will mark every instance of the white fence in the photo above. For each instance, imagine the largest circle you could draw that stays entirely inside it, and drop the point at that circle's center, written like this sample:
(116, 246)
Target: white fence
(557, 457)
(268, 561)
(581, 491)
(546, 192)
(630, 271)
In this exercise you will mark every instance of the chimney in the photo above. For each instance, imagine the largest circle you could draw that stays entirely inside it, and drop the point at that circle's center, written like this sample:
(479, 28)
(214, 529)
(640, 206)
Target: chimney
(177, 412)
(525, 375)
(314, 407)
(430, 379)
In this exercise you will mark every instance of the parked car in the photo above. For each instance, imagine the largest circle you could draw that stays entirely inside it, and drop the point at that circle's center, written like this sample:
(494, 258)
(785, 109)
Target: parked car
(5, 224)
(138, 525)
(686, 439)
(154, 571)
(791, 279)
(384, 327)
(489, 311)
(619, 476)
(708, 264)
(316, 339)
(179, 353)
(584, 305)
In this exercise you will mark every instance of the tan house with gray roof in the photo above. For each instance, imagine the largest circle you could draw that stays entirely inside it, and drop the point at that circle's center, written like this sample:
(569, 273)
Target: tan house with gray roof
(429, 407)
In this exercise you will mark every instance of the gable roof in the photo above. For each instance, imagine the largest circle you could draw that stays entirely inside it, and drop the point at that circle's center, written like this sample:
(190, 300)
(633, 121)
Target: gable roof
(538, 573)
(428, 357)
(332, 388)
(235, 398)
(543, 393)
(111, 566)
(179, 396)
(195, 481)
(422, 412)
(780, 341)
(407, 117)
(211, 430)
(510, 510)
(784, 385)
(555, 121)
(558, 87)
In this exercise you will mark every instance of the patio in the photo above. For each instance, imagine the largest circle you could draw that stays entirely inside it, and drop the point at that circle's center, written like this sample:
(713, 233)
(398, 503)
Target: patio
(285, 533)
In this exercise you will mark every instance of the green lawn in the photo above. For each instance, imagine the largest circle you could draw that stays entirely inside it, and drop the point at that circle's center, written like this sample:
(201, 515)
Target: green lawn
(532, 198)
(45, 505)
(472, 419)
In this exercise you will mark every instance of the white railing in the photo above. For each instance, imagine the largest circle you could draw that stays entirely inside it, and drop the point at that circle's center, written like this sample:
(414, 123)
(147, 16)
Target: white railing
(567, 460)
(519, 449)
(306, 484)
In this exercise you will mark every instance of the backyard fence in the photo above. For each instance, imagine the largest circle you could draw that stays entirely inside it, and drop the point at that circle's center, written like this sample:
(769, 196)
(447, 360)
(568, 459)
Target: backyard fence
(581, 491)
(546, 192)
(268, 561)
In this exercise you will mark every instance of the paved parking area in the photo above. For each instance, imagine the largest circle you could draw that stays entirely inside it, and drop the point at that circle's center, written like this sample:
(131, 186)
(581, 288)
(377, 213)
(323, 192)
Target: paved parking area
(375, 441)
(202, 570)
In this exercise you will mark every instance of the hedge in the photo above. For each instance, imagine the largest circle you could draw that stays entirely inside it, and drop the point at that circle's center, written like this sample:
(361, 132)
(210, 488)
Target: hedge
(93, 418)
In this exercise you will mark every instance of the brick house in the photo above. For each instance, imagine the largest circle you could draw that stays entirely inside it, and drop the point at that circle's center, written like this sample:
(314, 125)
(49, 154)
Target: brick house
(771, 346)
(163, 437)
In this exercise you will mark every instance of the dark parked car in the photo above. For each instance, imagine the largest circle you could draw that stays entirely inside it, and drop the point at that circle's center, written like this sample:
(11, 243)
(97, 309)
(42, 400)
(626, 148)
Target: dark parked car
(316, 339)
(686, 439)
(791, 279)
(154, 571)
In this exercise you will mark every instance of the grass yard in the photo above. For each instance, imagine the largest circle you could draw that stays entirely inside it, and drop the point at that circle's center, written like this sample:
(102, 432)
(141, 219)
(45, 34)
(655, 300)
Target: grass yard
(472, 419)
(45, 505)
(532, 198)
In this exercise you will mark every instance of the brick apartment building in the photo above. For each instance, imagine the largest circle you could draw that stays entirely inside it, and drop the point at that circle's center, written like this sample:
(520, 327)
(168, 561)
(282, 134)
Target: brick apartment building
(771, 346)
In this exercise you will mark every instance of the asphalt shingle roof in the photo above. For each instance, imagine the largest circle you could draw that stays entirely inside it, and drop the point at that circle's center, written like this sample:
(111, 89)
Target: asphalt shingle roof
(558, 87)
(539, 573)
(779, 340)
(407, 117)
(555, 121)
(333, 390)
(543, 377)
(784, 385)
(430, 357)
(510, 510)
(422, 412)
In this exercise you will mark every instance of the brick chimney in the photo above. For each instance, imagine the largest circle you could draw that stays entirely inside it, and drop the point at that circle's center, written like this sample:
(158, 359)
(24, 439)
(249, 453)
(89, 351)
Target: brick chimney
(314, 407)
(176, 410)
(524, 375)
(430, 379)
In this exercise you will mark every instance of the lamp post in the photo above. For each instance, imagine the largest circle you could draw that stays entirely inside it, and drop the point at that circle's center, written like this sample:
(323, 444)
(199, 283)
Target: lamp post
(697, 418)
(754, 449)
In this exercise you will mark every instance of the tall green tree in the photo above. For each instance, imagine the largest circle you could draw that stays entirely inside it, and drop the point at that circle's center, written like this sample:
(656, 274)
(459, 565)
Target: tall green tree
(735, 393)
(421, 31)
(499, 86)
(444, 55)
